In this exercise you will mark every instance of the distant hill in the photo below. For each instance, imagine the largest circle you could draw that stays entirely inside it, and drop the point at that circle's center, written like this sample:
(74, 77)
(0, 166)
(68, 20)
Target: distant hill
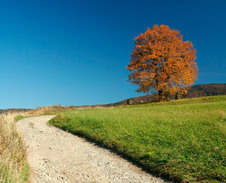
(195, 91)
(206, 90)
(13, 110)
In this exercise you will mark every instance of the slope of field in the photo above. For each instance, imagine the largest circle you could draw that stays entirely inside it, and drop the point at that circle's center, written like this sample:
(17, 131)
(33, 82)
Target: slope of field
(183, 140)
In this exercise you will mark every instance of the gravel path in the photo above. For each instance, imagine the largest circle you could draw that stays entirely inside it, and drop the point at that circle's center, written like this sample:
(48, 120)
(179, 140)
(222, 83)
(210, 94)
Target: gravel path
(57, 156)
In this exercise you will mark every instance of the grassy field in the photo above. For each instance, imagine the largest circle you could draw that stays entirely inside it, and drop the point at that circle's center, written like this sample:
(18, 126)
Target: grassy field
(183, 140)
(13, 164)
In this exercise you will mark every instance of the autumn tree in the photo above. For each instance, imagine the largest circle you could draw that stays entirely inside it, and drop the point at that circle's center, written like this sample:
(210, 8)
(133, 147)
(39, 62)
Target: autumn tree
(162, 62)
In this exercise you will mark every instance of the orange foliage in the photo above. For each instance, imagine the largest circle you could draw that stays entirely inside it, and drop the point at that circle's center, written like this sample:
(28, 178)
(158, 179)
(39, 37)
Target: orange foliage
(163, 62)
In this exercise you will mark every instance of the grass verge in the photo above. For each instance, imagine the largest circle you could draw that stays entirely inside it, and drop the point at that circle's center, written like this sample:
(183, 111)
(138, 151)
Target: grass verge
(182, 140)
(13, 164)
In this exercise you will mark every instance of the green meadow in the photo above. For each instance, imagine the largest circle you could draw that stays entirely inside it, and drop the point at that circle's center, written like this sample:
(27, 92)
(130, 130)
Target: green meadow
(182, 140)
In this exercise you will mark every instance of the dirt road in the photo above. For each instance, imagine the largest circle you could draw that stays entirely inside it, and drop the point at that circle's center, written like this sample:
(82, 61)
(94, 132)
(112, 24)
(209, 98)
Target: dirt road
(57, 156)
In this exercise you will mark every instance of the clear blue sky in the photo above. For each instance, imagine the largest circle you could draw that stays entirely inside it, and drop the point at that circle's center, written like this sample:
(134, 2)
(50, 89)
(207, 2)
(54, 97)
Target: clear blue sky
(72, 52)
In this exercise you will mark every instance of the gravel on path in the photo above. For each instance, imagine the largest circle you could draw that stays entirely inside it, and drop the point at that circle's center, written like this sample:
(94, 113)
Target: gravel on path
(55, 156)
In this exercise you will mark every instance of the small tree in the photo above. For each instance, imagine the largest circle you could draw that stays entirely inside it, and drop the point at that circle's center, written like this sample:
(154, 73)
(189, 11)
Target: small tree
(129, 102)
(161, 61)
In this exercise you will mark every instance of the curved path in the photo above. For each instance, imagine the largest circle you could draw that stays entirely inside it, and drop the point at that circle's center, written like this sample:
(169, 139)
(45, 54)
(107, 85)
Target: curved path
(57, 156)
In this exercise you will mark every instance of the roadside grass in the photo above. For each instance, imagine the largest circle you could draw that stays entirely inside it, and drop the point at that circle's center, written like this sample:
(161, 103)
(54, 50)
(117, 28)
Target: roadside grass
(183, 140)
(40, 111)
(13, 164)
(21, 116)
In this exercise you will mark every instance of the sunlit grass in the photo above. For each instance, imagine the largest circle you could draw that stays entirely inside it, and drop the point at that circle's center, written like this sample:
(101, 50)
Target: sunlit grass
(183, 140)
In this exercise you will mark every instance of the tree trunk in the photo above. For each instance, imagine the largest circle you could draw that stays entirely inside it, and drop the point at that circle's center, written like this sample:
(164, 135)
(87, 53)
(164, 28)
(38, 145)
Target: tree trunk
(160, 95)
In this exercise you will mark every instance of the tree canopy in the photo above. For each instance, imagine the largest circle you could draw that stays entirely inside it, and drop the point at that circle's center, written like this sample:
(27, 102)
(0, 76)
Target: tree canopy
(161, 61)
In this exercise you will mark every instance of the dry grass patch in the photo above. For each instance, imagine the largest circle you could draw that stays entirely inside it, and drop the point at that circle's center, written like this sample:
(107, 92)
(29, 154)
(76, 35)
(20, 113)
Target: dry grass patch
(13, 164)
